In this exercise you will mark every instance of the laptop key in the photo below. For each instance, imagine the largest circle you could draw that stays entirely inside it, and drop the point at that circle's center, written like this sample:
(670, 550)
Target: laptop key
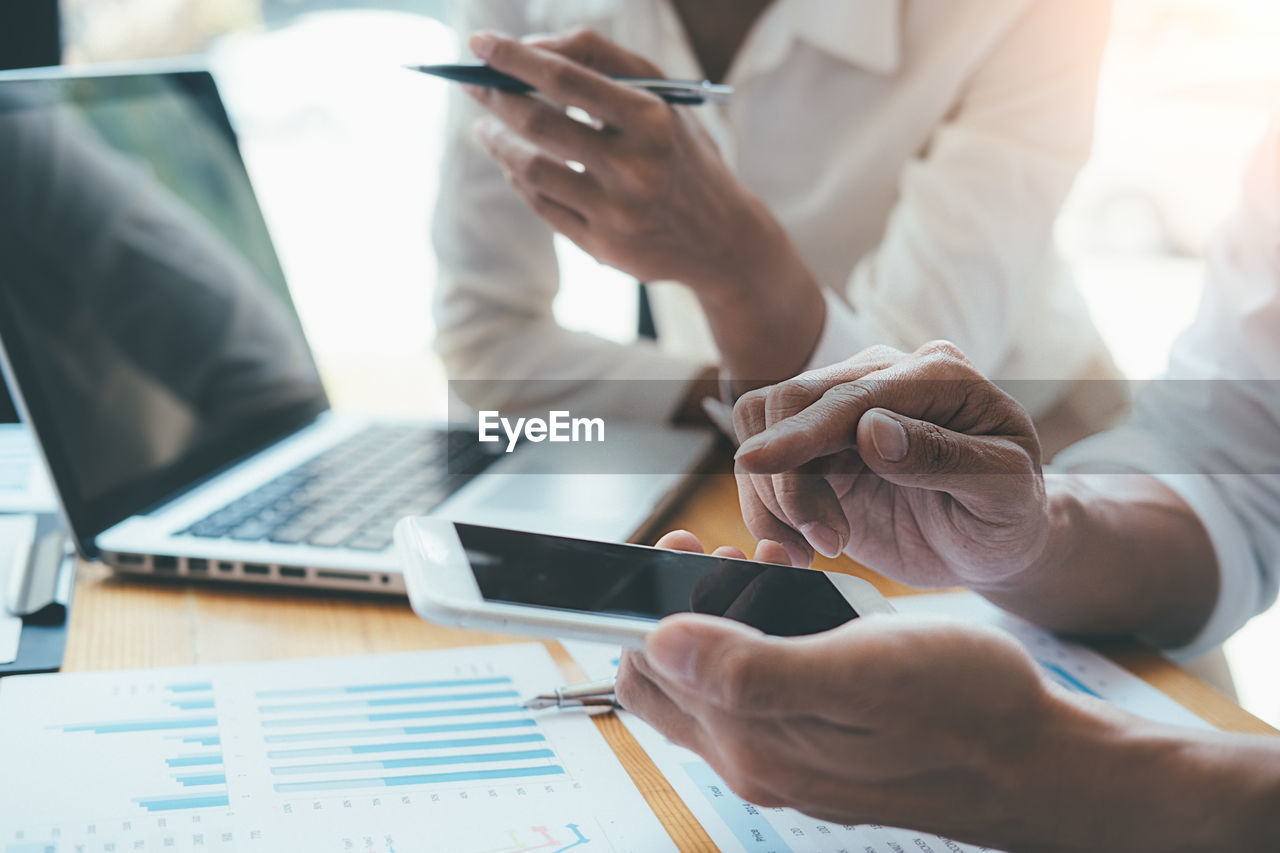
(334, 535)
(369, 542)
(291, 534)
(251, 531)
(206, 530)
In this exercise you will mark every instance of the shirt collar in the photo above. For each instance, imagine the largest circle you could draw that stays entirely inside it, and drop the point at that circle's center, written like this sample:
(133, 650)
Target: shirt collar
(865, 33)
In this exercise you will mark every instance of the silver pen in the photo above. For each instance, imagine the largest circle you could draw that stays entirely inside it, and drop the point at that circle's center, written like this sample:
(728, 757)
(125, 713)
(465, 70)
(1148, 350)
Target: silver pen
(686, 92)
(593, 694)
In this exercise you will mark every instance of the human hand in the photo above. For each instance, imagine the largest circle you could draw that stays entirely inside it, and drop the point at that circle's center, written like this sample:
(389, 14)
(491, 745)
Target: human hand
(653, 197)
(915, 465)
(899, 721)
(644, 189)
(943, 727)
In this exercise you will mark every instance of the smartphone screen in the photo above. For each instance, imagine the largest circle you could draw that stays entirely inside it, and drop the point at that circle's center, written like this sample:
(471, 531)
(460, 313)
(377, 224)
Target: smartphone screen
(537, 570)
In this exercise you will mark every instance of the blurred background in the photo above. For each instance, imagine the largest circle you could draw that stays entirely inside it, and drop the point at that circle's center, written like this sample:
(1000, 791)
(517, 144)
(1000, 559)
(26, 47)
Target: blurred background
(343, 147)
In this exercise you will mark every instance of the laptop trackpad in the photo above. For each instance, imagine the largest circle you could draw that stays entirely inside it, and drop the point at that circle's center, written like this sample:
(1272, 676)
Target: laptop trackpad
(569, 496)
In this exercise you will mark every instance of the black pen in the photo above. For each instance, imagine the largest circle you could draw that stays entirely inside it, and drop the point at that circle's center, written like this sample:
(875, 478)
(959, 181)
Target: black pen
(683, 92)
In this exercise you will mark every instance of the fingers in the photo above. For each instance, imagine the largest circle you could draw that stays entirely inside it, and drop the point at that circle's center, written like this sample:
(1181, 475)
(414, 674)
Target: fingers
(546, 126)
(680, 540)
(976, 470)
(563, 79)
(590, 48)
(936, 383)
(761, 511)
(730, 552)
(683, 540)
(535, 172)
(636, 691)
(810, 505)
(847, 675)
(768, 551)
(736, 668)
(824, 428)
(764, 524)
(804, 499)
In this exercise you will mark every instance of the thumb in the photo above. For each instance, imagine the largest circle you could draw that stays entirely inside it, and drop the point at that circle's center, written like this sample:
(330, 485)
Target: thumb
(918, 454)
(730, 665)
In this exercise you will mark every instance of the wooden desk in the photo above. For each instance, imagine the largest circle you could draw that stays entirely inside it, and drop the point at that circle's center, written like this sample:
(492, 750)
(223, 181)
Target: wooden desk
(118, 623)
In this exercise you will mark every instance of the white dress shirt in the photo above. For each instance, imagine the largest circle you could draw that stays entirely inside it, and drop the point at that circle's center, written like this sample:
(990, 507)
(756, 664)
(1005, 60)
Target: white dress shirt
(1210, 428)
(917, 153)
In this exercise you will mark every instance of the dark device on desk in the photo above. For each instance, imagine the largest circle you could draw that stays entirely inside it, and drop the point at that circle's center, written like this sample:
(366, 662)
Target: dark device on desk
(153, 347)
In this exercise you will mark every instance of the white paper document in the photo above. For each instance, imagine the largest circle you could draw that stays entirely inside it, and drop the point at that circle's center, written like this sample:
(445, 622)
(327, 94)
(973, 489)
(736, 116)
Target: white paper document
(736, 825)
(15, 539)
(24, 485)
(408, 753)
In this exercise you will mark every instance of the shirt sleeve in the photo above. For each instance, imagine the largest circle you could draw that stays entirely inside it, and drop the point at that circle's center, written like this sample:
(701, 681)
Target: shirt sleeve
(967, 252)
(497, 279)
(1239, 511)
(1208, 429)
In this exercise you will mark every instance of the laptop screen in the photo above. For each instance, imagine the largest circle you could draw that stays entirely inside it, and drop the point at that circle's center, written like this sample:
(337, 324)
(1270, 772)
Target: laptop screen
(144, 316)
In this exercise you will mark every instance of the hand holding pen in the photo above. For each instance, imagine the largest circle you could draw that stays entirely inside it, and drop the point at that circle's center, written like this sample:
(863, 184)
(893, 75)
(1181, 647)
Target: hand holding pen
(644, 189)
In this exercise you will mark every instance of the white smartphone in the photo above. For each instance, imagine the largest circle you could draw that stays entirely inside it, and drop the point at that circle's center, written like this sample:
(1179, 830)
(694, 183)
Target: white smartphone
(494, 579)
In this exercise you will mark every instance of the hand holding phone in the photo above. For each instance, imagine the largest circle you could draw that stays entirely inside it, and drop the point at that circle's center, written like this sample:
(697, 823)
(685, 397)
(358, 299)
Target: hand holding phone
(494, 579)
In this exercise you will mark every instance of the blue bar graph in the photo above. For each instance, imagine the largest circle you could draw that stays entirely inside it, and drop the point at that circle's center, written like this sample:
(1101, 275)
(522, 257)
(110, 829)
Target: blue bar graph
(193, 704)
(210, 740)
(193, 687)
(144, 725)
(421, 761)
(302, 707)
(198, 781)
(419, 779)
(194, 760)
(376, 688)
(403, 746)
(388, 716)
(343, 734)
(187, 801)
(1068, 680)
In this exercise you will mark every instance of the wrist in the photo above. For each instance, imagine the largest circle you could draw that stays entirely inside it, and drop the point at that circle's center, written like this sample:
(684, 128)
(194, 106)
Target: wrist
(1065, 517)
(757, 261)
(765, 308)
(1237, 778)
(1102, 779)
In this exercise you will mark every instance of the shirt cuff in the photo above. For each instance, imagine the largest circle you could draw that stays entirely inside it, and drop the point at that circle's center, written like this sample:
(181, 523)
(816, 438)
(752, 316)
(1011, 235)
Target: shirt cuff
(1239, 584)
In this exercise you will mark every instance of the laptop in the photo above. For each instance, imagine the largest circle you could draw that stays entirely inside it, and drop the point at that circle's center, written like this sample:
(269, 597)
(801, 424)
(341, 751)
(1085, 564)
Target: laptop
(152, 345)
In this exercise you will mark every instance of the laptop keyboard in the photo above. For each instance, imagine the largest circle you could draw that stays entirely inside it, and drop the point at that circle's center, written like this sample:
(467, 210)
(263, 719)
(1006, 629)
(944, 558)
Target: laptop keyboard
(352, 495)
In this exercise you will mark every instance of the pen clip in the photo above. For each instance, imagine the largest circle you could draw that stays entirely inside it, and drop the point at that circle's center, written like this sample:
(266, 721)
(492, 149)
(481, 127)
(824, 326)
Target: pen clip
(587, 691)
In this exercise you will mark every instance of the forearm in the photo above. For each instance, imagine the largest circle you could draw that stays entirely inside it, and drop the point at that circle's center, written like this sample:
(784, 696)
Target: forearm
(765, 309)
(1108, 781)
(1125, 555)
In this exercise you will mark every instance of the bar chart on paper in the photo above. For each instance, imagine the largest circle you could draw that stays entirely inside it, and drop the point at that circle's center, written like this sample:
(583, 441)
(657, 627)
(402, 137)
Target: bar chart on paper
(387, 754)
